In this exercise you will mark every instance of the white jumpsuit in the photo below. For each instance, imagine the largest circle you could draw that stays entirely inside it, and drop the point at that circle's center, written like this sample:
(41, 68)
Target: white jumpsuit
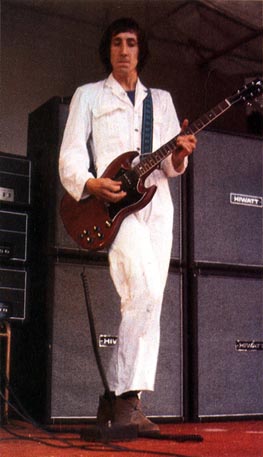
(140, 254)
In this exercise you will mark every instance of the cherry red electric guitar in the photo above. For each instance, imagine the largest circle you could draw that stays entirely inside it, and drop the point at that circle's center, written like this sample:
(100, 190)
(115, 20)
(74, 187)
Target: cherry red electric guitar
(92, 223)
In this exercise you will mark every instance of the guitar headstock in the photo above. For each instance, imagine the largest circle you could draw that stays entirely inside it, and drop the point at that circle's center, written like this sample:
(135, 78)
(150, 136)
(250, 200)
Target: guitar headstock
(247, 92)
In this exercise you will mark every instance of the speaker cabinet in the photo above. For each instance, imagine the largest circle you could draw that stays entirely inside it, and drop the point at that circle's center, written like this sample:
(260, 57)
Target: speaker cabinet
(15, 199)
(45, 132)
(74, 380)
(229, 345)
(227, 200)
(13, 293)
(15, 180)
(13, 236)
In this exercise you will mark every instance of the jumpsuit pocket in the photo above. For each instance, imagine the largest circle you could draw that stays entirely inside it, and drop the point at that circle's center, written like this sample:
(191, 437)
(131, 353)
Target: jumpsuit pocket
(108, 121)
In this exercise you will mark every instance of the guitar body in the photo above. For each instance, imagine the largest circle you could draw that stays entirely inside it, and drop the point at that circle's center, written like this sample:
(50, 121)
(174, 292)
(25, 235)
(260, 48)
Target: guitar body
(92, 223)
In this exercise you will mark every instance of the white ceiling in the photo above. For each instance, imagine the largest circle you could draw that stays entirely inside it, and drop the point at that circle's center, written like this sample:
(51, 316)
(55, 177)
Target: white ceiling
(226, 35)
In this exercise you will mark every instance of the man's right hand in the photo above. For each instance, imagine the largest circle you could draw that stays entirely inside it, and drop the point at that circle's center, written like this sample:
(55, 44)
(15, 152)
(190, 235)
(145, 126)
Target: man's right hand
(105, 189)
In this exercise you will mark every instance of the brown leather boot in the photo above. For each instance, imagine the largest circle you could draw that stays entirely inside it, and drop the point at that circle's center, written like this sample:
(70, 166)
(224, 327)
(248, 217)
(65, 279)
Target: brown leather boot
(128, 412)
(105, 411)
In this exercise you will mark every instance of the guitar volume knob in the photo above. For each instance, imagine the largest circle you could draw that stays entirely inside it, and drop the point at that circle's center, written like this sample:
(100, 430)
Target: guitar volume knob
(84, 233)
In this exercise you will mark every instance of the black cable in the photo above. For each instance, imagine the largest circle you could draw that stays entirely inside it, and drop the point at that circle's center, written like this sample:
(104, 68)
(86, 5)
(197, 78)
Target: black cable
(23, 414)
(66, 443)
(30, 420)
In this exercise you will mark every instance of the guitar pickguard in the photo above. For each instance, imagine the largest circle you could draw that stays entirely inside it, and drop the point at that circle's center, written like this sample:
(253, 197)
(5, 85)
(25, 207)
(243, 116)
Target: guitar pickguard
(130, 183)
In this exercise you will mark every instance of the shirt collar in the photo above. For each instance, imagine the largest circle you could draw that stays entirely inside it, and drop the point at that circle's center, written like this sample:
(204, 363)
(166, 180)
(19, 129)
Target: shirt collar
(117, 89)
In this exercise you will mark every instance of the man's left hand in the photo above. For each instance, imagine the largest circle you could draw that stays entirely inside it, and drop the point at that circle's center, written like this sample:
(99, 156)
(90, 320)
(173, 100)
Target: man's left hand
(185, 145)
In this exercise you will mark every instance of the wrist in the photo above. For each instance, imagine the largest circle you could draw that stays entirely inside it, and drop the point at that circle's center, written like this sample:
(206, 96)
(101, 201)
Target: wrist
(89, 185)
(178, 163)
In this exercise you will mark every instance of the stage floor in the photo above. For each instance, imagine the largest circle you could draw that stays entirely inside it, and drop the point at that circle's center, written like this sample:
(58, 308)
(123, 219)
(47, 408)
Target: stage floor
(219, 439)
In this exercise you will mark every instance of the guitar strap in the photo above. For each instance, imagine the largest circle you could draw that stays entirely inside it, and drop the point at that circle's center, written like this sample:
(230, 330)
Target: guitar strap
(147, 124)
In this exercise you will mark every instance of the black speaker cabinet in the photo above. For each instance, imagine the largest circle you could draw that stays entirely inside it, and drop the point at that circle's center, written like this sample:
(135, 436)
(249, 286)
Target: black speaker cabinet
(13, 293)
(74, 381)
(13, 236)
(227, 200)
(15, 180)
(229, 345)
(45, 132)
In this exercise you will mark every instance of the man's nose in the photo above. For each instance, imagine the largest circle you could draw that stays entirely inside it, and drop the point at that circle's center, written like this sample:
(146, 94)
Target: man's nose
(124, 48)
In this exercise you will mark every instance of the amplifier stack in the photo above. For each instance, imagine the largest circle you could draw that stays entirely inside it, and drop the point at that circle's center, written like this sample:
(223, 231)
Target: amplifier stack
(211, 357)
(15, 198)
(225, 270)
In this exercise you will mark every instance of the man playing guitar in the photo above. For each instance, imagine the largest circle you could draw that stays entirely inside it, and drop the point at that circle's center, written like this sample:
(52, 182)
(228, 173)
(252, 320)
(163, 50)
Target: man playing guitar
(109, 114)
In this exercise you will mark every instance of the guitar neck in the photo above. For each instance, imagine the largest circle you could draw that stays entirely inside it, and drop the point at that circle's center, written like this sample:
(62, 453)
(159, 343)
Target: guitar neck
(151, 161)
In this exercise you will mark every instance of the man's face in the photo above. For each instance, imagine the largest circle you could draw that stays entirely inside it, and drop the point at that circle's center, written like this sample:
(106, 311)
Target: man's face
(124, 53)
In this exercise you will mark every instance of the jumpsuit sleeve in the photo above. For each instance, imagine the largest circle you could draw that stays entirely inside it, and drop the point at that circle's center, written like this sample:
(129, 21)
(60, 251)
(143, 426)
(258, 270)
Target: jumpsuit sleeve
(74, 161)
(171, 128)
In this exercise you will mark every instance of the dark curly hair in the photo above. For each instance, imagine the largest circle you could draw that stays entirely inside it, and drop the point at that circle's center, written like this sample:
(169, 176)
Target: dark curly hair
(119, 26)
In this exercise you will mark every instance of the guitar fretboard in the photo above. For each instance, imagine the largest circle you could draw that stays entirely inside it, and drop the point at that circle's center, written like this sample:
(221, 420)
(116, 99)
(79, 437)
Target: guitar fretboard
(151, 161)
